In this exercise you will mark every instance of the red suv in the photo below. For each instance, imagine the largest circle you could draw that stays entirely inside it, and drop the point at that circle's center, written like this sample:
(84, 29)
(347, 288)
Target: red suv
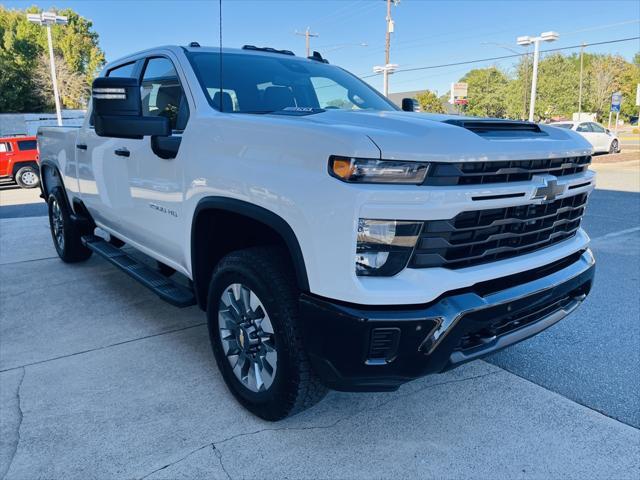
(19, 161)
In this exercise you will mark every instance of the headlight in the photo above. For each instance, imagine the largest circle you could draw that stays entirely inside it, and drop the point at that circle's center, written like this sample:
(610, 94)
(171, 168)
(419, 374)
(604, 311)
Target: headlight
(366, 170)
(384, 246)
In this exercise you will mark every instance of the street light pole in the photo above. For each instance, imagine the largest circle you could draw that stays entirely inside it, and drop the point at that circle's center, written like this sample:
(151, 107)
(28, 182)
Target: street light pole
(47, 19)
(54, 77)
(525, 41)
(534, 79)
(580, 90)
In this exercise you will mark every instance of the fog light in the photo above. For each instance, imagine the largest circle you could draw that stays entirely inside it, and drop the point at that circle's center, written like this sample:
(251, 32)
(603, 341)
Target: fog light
(384, 246)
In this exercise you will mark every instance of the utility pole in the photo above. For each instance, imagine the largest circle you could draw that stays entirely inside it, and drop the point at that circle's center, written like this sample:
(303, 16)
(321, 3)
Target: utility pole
(47, 19)
(388, 68)
(580, 90)
(307, 35)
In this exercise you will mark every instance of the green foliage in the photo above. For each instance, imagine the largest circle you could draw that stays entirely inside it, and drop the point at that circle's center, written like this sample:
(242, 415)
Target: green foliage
(25, 85)
(558, 85)
(429, 102)
(493, 93)
(487, 92)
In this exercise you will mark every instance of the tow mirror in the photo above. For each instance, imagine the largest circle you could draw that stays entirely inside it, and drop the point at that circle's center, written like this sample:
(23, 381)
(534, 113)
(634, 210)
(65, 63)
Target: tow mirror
(117, 110)
(410, 105)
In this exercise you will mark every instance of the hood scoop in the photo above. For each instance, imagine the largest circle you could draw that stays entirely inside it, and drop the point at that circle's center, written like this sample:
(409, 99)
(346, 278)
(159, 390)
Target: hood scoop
(499, 128)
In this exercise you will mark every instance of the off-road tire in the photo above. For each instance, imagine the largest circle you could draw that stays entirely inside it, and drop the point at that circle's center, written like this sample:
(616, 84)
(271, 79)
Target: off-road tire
(67, 241)
(27, 177)
(267, 271)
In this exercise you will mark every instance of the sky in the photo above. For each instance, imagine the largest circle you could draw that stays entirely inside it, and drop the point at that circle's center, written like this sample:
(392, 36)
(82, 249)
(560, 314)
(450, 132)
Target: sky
(427, 32)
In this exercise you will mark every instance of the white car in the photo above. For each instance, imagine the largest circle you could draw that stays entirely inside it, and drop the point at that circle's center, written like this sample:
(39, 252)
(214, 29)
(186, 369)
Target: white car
(332, 239)
(601, 138)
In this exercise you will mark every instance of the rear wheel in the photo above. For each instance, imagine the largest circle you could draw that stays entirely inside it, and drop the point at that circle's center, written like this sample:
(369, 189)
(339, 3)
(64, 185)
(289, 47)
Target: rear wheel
(614, 147)
(253, 326)
(64, 232)
(27, 177)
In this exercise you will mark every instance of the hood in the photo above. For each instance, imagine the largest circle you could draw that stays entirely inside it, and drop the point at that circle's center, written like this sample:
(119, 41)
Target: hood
(427, 137)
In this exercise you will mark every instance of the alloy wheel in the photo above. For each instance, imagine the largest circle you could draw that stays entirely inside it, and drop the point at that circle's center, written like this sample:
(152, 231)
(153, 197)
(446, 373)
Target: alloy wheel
(57, 223)
(247, 337)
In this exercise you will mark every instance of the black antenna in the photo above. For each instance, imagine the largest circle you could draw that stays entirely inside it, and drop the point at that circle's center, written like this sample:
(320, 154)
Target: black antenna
(221, 90)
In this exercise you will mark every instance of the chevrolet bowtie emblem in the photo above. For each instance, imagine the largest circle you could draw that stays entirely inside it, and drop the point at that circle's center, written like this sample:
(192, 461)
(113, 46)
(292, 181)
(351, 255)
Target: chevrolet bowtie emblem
(550, 190)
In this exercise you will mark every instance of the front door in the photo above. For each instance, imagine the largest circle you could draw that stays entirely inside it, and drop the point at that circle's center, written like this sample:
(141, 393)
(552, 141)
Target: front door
(157, 188)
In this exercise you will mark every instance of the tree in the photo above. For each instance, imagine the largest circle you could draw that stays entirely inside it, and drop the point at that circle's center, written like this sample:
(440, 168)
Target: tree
(558, 85)
(73, 87)
(487, 92)
(21, 46)
(604, 74)
(429, 102)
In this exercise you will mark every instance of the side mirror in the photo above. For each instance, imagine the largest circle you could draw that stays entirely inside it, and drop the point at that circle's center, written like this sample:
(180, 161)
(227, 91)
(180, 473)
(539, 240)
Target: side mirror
(117, 110)
(607, 130)
(410, 105)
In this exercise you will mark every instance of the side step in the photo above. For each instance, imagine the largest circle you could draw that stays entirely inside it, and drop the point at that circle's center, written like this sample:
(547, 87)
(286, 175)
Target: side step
(165, 288)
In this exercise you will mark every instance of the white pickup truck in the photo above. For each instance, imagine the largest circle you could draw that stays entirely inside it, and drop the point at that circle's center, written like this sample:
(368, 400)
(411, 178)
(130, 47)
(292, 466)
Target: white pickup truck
(333, 240)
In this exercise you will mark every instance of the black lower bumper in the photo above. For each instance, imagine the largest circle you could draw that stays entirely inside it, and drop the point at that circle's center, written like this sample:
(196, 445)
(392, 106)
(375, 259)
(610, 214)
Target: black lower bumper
(356, 348)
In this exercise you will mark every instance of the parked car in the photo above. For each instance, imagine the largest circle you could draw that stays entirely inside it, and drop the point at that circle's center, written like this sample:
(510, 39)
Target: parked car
(602, 140)
(333, 240)
(19, 161)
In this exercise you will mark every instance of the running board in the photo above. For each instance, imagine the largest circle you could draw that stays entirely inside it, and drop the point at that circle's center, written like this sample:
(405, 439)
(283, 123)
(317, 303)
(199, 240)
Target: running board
(165, 288)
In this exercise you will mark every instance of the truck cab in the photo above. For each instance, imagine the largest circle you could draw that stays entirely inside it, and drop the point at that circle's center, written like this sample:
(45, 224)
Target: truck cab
(19, 160)
(334, 241)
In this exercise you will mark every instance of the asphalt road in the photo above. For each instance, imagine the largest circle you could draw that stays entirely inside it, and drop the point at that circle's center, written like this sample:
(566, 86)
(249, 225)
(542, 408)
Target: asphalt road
(100, 379)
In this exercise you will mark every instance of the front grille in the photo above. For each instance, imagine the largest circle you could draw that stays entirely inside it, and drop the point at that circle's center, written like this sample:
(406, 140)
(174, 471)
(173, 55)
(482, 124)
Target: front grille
(478, 173)
(482, 236)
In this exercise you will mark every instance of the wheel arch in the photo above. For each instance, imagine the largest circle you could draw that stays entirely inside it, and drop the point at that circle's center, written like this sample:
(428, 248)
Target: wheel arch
(50, 178)
(214, 213)
(18, 165)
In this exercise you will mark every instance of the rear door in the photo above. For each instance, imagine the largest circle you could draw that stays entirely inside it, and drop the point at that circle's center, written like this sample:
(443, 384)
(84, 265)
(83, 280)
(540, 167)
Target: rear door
(600, 136)
(584, 129)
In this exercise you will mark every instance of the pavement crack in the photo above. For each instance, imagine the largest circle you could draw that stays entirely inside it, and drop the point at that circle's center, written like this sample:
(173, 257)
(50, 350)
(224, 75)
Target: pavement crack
(218, 454)
(104, 347)
(214, 445)
(16, 442)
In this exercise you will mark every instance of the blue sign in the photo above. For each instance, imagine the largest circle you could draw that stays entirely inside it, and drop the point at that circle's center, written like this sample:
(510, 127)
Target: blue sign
(616, 100)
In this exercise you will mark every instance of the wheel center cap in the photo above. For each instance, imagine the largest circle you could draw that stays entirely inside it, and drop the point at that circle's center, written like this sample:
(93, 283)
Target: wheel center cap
(247, 337)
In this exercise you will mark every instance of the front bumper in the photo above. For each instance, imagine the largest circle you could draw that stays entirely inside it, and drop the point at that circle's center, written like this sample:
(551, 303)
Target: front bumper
(357, 348)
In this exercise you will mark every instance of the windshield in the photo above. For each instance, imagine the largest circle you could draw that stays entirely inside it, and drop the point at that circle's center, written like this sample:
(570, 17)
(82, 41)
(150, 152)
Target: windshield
(265, 84)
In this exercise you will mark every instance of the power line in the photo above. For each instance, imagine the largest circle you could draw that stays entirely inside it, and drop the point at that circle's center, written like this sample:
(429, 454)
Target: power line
(508, 56)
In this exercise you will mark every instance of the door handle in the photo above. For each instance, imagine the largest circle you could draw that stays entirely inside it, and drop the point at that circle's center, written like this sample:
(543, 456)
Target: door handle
(122, 152)
(81, 146)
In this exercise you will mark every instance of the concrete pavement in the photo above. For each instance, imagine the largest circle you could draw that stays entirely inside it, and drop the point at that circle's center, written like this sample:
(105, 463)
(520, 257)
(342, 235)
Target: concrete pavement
(100, 379)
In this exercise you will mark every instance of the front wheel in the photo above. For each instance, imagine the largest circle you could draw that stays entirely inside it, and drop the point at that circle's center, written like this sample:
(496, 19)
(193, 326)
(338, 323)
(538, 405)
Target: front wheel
(253, 326)
(614, 147)
(27, 177)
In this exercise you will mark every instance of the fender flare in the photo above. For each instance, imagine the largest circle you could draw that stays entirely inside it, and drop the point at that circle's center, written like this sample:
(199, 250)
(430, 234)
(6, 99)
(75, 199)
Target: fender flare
(262, 215)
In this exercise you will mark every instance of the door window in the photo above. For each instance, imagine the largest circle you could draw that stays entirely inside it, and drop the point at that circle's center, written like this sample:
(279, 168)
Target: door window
(125, 70)
(5, 147)
(162, 93)
(583, 127)
(596, 128)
